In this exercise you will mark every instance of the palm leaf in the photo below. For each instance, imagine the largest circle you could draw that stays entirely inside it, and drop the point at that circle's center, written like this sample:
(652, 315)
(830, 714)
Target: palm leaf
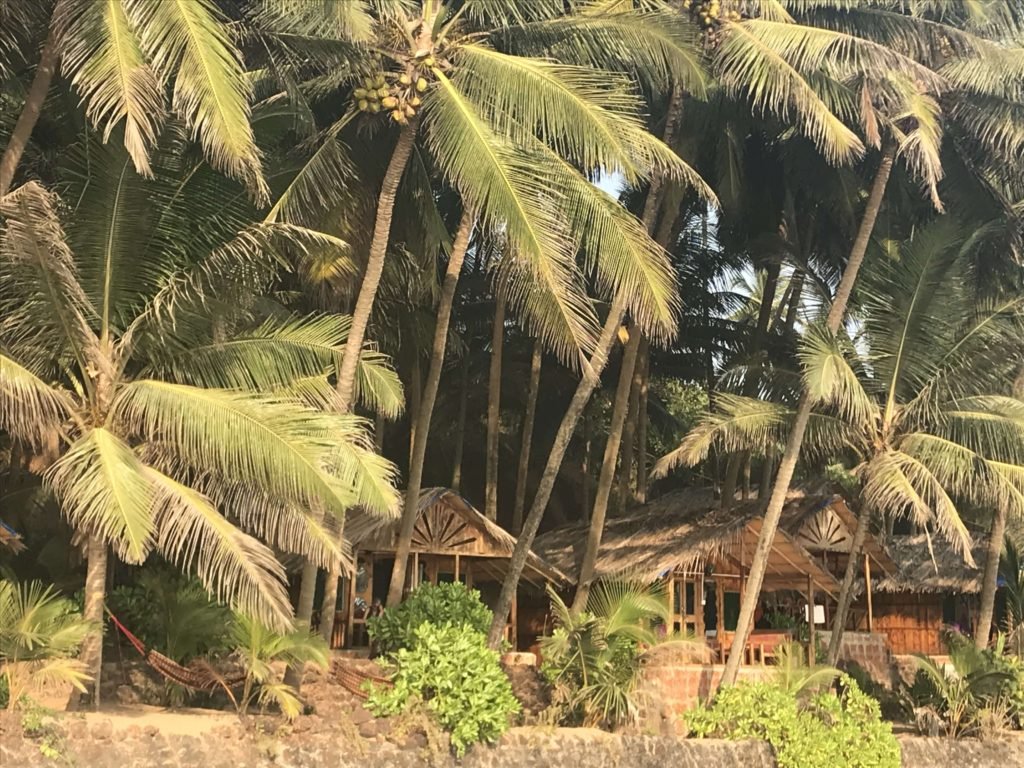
(30, 409)
(102, 487)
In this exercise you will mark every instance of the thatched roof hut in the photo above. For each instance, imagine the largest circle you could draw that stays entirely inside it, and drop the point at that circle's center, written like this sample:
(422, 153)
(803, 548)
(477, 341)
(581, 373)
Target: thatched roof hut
(447, 524)
(684, 531)
(933, 566)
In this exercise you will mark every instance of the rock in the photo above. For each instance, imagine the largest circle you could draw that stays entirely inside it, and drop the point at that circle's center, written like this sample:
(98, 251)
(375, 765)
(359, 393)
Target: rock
(415, 740)
(360, 715)
(368, 729)
(102, 731)
(127, 695)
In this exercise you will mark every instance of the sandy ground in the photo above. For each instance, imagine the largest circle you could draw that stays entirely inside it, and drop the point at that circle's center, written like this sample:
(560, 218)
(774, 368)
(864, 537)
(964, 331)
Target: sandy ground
(184, 722)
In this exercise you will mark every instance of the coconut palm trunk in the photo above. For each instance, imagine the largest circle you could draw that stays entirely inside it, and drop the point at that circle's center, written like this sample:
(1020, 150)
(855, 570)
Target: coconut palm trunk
(91, 653)
(606, 481)
(629, 432)
(460, 425)
(523, 470)
(990, 579)
(354, 344)
(494, 408)
(835, 642)
(588, 382)
(30, 112)
(641, 428)
(787, 464)
(429, 397)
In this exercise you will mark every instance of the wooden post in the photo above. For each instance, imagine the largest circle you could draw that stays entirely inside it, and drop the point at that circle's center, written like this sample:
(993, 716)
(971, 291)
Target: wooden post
(414, 581)
(867, 589)
(350, 606)
(456, 567)
(514, 633)
(810, 621)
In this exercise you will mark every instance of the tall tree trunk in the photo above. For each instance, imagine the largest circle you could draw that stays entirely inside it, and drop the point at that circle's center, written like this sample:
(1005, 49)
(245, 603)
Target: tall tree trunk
(494, 407)
(641, 428)
(585, 468)
(990, 578)
(588, 382)
(607, 478)
(629, 432)
(379, 424)
(460, 424)
(410, 508)
(523, 470)
(415, 399)
(737, 461)
(767, 470)
(860, 533)
(91, 654)
(354, 343)
(796, 436)
(30, 112)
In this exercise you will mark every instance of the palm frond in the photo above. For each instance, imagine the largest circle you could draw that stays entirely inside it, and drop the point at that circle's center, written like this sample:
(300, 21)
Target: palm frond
(30, 409)
(188, 42)
(102, 487)
(276, 445)
(829, 378)
(100, 52)
(240, 570)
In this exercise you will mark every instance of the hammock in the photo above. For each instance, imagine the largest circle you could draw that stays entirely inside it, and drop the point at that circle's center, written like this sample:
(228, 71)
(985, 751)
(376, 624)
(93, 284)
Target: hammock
(198, 675)
(352, 679)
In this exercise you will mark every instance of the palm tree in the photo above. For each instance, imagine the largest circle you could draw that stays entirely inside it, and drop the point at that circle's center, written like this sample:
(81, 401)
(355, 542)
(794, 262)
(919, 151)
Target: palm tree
(447, 81)
(121, 55)
(914, 397)
(526, 435)
(191, 414)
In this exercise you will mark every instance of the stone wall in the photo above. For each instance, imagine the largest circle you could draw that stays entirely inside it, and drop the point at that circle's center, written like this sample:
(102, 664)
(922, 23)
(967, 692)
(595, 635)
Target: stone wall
(670, 686)
(870, 651)
(97, 743)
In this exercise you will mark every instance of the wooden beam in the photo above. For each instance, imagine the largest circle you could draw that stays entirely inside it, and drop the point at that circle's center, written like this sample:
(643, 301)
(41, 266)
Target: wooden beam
(456, 566)
(810, 621)
(867, 589)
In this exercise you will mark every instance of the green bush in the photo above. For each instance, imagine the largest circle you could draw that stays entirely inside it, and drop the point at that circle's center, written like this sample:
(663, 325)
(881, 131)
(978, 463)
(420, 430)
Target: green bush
(458, 679)
(829, 731)
(442, 604)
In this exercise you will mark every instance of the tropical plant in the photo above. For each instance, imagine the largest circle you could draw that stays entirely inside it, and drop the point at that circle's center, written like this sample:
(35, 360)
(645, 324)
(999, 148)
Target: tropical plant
(441, 605)
(794, 675)
(828, 730)
(457, 678)
(973, 681)
(914, 396)
(260, 650)
(592, 659)
(189, 413)
(40, 633)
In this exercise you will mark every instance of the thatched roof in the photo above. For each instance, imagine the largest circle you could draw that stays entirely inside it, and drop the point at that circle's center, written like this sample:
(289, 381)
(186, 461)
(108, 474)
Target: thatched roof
(918, 571)
(825, 523)
(683, 530)
(446, 523)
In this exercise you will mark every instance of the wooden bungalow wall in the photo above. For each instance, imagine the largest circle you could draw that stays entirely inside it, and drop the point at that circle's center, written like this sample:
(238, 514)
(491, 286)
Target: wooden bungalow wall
(911, 622)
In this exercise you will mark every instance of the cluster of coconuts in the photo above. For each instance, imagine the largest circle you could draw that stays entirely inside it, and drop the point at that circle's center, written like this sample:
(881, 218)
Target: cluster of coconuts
(707, 12)
(401, 98)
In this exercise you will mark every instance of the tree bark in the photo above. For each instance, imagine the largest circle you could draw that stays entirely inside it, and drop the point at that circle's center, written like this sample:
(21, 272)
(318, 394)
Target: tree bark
(606, 480)
(460, 425)
(523, 470)
(846, 590)
(354, 343)
(787, 464)
(990, 578)
(91, 654)
(588, 382)
(410, 508)
(641, 429)
(629, 432)
(415, 399)
(494, 408)
(30, 112)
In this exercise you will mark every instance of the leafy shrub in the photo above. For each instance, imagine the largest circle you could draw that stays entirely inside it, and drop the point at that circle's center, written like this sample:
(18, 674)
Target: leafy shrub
(172, 613)
(592, 658)
(440, 604)
(457, 678)
(829, 731)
